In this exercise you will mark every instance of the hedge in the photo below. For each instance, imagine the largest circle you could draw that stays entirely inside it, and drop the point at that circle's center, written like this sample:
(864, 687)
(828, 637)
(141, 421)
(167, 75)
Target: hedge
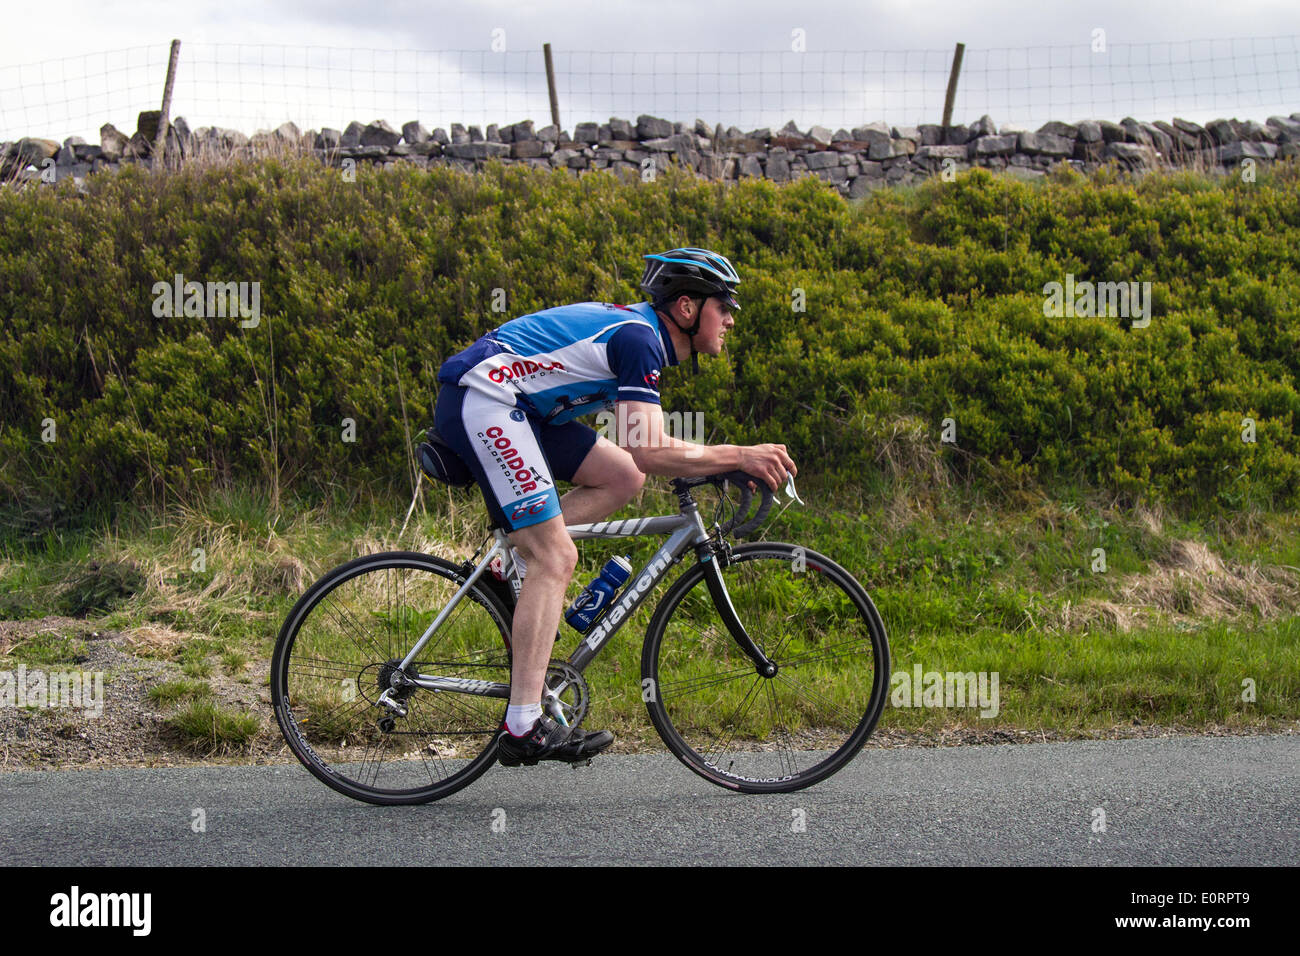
(921, 305)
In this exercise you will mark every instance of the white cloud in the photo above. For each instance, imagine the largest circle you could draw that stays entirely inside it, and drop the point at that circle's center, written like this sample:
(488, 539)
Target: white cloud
(600, 52)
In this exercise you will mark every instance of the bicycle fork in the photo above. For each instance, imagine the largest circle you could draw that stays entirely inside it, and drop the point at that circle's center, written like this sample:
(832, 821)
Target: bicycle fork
(727, 611)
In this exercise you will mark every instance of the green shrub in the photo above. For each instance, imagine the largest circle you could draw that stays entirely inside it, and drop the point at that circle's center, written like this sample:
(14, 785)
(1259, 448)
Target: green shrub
(926, 306)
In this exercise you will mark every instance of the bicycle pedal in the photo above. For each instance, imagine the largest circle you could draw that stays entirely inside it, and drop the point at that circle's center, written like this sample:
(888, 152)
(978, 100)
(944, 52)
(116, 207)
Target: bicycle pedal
(575, 764)
(506, 761)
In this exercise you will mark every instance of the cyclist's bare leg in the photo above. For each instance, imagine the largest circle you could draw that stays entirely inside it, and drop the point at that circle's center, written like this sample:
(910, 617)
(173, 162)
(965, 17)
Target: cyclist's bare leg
(606, 481)
(551, 557)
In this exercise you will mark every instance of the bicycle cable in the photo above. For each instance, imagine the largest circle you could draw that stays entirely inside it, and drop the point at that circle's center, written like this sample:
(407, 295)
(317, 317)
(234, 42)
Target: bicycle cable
(724, 500)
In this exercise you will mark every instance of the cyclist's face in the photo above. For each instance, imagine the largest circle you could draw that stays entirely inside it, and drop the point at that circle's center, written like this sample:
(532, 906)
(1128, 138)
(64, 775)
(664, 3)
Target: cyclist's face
(715, 322)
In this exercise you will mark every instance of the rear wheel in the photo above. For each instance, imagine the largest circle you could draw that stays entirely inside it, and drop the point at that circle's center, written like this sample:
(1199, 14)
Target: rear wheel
(755, 733)
(337, 652)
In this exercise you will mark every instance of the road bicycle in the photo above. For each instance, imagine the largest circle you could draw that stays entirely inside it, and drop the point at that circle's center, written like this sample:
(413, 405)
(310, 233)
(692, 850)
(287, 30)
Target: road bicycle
(764, 668)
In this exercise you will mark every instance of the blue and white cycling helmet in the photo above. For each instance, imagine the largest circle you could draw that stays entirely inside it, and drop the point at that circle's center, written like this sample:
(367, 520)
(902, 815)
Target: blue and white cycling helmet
(689, 271)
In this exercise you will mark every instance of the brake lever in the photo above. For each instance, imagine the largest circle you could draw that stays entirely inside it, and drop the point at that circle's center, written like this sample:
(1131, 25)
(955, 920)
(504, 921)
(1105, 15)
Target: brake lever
(789, 489)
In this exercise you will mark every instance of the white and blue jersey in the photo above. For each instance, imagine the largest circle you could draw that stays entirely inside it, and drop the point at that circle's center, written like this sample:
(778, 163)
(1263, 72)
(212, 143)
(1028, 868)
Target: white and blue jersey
(508, 402)
(563, 363)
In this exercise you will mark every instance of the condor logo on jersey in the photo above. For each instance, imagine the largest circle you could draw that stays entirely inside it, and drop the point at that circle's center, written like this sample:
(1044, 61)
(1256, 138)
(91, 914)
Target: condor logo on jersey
(521, 368)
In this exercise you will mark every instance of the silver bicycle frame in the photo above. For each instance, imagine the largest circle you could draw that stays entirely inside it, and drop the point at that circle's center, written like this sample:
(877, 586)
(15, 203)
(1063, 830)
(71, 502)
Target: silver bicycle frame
(685, 530)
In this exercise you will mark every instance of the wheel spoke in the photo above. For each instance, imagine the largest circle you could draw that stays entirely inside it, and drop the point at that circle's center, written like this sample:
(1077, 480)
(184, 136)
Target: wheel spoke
(784, 739)
(824, 653)
(849, 720)
(320, 667)
(351, 623)
(734, 721)
(697, 684)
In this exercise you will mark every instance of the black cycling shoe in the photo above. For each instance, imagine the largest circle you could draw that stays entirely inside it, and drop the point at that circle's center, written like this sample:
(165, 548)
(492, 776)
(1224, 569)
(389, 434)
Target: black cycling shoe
(550, 741)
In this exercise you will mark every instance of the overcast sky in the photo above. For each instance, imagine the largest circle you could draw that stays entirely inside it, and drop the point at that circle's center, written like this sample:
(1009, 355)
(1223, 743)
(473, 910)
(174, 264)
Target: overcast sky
(254, 63)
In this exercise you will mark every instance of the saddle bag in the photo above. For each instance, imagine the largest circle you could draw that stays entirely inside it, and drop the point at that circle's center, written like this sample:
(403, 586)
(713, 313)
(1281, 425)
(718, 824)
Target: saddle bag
(439, 461)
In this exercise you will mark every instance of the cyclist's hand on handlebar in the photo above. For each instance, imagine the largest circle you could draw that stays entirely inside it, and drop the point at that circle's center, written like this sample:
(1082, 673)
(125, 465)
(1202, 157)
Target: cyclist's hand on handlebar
(769, 462)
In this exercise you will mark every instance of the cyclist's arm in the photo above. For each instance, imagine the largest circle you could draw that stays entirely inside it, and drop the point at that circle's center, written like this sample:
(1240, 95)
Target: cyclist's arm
(641, 433)
(655, 452)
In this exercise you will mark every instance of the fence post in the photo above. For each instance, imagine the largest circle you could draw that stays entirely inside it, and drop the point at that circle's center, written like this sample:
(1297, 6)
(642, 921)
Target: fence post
(164, 120)
(550, 85)
(952, 84)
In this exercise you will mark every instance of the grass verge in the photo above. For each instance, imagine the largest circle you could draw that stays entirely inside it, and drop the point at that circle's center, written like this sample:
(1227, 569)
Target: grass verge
(1092, 618)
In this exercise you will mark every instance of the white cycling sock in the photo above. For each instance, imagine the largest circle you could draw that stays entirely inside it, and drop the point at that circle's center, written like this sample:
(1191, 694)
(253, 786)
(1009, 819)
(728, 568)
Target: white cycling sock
(521, 717)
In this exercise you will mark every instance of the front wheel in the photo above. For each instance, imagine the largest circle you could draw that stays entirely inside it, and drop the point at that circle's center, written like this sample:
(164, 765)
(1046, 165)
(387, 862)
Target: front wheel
(754, 733)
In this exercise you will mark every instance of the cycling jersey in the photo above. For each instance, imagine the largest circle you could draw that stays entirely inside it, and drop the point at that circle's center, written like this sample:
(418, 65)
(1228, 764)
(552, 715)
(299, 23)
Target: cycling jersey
(508, 402)
(562, 363)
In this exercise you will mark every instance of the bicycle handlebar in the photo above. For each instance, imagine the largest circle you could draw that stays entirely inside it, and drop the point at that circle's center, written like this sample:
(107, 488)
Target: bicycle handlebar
(741, 479)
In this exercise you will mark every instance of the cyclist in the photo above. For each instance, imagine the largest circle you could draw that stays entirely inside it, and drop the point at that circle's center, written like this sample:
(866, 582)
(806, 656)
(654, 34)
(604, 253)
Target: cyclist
(508, 405)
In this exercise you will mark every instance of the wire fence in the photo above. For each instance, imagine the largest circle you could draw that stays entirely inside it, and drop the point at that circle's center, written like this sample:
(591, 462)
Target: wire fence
(250, 87)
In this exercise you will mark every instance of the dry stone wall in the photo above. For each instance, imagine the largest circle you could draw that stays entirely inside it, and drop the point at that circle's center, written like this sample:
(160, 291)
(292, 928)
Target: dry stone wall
(854, 161)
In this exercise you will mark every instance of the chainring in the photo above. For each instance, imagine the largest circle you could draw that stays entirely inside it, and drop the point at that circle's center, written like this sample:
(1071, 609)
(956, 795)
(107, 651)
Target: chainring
(575, 696)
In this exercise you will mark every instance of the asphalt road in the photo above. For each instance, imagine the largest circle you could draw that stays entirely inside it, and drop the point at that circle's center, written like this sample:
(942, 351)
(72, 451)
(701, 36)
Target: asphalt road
(1183, 801)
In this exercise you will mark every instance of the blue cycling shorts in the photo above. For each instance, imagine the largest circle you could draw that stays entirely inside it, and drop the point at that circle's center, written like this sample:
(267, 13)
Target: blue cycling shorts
(515, 458)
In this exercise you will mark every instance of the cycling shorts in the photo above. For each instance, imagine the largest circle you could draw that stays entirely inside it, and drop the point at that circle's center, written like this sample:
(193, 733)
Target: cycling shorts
(515, 458)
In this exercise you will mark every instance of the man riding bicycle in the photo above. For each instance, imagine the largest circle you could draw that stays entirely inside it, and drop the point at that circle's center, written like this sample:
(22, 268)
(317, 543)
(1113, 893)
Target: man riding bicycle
(507, 407)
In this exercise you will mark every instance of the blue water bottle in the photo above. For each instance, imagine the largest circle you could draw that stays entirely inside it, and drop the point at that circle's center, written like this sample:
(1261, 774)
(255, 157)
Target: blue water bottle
(598, 594)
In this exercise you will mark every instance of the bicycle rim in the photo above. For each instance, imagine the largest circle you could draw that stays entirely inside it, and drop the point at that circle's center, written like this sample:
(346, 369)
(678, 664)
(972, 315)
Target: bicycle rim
(756, 734)
(333, 657)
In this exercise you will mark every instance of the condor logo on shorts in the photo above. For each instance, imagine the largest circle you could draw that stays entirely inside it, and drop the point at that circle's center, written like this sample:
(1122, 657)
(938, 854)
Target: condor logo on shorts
(521, 368)
(512, 463)
(652, 378)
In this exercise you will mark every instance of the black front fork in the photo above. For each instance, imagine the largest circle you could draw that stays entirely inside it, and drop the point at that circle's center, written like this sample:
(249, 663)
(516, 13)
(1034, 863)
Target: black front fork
(714, 560)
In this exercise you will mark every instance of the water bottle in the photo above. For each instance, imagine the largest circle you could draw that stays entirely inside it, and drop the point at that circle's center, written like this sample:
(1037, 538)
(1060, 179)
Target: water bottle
(598, 594)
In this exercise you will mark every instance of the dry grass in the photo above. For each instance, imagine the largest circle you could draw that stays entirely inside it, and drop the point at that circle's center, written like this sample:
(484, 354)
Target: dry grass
(252, 562)
(202, 154)
(156, 641)
(905, 448)
(1151, 518)
(286, 574)
(1189, 582)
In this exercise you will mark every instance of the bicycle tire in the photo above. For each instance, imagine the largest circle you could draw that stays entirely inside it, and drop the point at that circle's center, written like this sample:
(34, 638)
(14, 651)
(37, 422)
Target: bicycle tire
(712, 733)
(459, 730)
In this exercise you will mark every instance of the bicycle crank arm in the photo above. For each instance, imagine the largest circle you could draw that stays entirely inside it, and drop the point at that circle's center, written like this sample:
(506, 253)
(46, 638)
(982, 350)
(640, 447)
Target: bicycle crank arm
(722, 601)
